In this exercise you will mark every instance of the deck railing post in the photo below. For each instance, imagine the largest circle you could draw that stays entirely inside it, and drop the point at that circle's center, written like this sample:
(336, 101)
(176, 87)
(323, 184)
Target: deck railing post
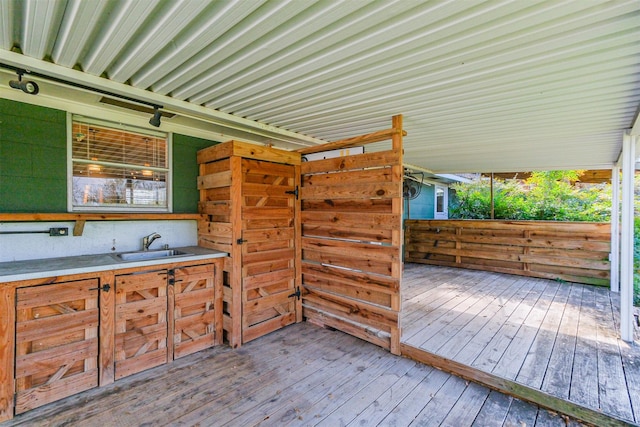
(626, 238)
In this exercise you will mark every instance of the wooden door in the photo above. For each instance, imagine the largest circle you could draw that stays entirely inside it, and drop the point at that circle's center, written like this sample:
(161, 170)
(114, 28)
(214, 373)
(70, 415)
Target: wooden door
(140, 322)
(268, 247)
(194, 322)
(56, 342)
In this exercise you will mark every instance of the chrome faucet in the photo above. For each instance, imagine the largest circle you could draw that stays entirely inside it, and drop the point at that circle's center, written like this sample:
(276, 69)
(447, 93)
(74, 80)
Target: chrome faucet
(148, 240)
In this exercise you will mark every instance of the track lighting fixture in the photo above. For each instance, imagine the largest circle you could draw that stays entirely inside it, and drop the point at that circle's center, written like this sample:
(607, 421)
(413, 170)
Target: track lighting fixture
(155, 120)
(27, 86)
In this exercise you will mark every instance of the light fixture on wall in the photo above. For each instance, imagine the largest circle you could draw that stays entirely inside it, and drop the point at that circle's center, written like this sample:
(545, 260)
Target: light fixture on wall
(27, 86)
(155, 120)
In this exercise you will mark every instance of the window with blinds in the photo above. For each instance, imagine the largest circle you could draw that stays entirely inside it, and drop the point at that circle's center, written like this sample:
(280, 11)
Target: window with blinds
(118, 168)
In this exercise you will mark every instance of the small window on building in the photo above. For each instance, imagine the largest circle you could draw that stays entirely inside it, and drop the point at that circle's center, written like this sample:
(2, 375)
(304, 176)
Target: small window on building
(118, 168)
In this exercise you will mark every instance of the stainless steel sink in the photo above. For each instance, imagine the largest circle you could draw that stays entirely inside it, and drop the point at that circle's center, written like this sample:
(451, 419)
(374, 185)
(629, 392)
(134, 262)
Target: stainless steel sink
(145, 255)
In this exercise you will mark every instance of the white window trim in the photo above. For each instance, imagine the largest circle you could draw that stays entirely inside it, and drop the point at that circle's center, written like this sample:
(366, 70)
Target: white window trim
(123, 209)
(445, 213)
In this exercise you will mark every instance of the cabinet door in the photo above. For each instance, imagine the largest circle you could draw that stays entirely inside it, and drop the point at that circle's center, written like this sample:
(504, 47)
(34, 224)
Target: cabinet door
(140, 322)
(56, 342)
(268, 248)
(194, 314)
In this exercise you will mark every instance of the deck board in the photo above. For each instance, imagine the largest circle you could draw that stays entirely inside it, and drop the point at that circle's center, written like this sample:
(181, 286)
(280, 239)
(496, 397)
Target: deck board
(560, 338)
(301, 375)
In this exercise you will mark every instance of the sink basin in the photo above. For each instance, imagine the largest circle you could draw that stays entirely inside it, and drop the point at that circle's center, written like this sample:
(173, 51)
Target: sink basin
(145, 255)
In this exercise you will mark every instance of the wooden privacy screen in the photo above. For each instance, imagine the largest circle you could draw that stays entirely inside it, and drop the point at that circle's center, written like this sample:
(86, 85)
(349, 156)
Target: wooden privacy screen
(571, 251)
(351, 238)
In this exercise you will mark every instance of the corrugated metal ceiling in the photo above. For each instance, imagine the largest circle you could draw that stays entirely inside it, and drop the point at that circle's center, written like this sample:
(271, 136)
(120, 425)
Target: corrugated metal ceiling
(483, 85)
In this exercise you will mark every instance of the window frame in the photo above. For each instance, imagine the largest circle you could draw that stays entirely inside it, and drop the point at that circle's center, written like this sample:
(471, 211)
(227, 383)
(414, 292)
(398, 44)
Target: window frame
(124, 127)
(444, 214)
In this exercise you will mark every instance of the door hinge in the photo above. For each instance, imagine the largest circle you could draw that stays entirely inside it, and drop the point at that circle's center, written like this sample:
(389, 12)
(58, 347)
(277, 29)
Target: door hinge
(103, 288)
(297, 293)
(294, 192)
(240, 241)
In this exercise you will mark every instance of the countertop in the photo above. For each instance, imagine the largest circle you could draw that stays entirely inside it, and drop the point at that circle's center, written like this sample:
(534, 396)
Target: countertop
(41, 268)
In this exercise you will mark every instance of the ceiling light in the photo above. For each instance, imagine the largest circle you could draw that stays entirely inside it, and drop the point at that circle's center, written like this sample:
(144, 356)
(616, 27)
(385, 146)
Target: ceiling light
(155, 120)
(27, 86)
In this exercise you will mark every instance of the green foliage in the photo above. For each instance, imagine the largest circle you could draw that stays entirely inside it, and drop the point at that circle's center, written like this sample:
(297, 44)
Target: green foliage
(544, 196)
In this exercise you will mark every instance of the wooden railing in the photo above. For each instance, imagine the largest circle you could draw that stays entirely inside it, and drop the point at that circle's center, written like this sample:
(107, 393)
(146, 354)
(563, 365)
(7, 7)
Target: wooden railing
(570, 251)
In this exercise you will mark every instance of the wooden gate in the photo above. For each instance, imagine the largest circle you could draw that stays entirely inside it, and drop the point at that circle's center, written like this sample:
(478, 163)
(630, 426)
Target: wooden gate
(268, 247)
(56, 342)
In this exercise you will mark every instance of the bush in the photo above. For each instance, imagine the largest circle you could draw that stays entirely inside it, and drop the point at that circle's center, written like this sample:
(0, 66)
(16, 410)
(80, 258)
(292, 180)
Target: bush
(544, 196)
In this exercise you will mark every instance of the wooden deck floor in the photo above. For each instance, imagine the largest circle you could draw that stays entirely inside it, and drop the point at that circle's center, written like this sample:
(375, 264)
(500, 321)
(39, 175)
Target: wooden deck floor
(560, 338)
(301, 375)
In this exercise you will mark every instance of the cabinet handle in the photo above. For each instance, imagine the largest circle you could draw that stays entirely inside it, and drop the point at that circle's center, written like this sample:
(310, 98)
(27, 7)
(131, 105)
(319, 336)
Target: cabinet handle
(105, 288)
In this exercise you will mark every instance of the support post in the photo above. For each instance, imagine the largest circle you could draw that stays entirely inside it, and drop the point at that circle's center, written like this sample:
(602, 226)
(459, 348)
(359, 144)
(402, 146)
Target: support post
(615, 229)
(626, 238)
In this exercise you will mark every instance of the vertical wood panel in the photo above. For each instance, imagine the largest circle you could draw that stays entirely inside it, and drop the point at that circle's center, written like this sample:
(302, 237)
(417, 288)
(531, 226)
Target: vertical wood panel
(351, 239)
(7, 333)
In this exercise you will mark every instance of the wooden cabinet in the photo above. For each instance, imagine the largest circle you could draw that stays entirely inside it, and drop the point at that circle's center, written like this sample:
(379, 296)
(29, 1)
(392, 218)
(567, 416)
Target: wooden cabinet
(248, 197)
(63, 335)
(56, 342)
(140, 321)
(194, 296)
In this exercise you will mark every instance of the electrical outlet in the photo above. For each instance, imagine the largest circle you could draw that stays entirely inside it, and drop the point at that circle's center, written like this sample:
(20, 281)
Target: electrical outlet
(59, 231)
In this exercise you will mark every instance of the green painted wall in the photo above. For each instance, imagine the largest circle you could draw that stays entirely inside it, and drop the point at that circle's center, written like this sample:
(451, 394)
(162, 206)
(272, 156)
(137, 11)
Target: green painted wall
(185, 172)
(33, 162)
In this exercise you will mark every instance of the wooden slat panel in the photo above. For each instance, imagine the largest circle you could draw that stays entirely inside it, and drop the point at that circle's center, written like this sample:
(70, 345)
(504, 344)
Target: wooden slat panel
(356, 249)
(362, 205)
(38, 396)
(263, 213)
(366, 176)
(347, 308)
(348, 219)
(257, 167)
(348, 261)
(365, 333)
(570, 251)
(267, 190)
(379, 159)
(347, 233)
(356, 191)
(377, 283)
(256, 331)
(267, 279)
(214, 180)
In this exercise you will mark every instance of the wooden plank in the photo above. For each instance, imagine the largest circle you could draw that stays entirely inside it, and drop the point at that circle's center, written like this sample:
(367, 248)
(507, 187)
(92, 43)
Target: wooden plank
(366, 176)
(348, 233)
(513, 388)
(381, 135)
(32, 398)
(354, 310)
(347, 219)
(324, 319)
(378, 159)
(214, 180)
(356, 249)
(7, 333)
(349, 262)
(268, 168)
(362, 205)
(377, 283)
(255, 331)
(380, 190)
